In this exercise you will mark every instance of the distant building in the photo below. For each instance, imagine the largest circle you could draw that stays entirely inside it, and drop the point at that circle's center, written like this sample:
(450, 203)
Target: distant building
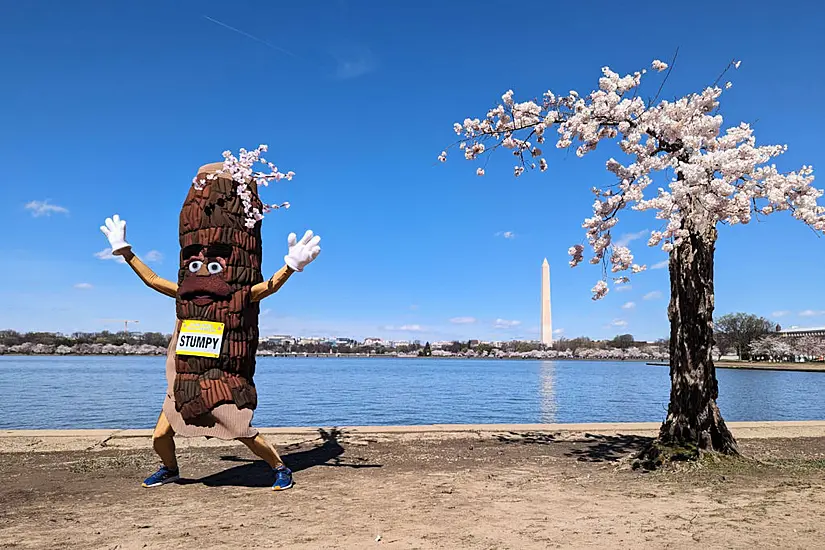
(795, 332)
(397, 343)
(281, 339)
(345, 342)
(546, 312)
(374, 342)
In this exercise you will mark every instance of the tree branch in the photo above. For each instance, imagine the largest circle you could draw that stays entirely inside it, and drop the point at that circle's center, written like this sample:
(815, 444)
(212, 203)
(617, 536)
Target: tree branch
(664, 80)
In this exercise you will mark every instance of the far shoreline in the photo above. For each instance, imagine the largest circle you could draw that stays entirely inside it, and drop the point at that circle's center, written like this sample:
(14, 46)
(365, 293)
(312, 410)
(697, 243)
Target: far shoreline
(352, 356)
(813, 366)
(741, 365)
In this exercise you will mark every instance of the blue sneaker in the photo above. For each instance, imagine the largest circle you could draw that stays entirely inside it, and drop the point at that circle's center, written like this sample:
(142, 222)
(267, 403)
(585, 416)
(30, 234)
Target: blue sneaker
(283, 479)
(163, 475)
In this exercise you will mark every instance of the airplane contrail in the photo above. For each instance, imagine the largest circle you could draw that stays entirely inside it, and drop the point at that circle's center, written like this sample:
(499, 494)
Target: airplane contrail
(246, 34)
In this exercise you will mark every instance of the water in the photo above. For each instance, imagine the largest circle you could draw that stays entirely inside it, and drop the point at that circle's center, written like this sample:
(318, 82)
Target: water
(127, 392)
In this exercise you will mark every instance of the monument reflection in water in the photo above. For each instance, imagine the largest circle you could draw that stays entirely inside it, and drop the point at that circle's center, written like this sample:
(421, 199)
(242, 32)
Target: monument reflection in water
(548, 403)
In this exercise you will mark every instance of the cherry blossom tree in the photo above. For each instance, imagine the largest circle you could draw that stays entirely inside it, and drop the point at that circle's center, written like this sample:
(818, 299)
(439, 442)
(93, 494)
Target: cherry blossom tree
(809, 347)
(715, 177)
(772, 348)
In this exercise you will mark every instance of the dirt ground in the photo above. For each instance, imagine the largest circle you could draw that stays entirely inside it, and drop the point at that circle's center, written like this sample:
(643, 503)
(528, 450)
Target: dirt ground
(489, 491)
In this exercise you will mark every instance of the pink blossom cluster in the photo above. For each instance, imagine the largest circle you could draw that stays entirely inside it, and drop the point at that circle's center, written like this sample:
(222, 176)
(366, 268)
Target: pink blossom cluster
(240, 169)
(600, 290)
(716, 176)
(778, 347)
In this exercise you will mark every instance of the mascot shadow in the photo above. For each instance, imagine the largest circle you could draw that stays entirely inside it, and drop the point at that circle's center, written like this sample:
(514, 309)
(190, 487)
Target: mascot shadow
(257, 473)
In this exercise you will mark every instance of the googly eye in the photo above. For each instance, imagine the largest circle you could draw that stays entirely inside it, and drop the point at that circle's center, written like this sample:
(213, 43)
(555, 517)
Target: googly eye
(195, 266)
(214, 267)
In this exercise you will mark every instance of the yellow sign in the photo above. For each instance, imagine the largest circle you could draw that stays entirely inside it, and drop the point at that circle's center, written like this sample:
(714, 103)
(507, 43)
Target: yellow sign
(200, 338)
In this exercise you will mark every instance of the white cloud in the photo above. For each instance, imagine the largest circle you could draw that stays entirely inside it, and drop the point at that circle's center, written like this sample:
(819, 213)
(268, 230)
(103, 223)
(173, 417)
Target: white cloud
(405, 328)
(265, 312)
(506, 234)
(618, 323)
(43, 208)
(622, 288)
(655, 295)
(106, 254)
(659, 265)
(462, 320)
(84, 286)
(627, 238)
(558, 331)
(811, 313)
(153, 256)
(354, 68)
(353, 61)
(504, 323)
(781, 313)
(629, 305)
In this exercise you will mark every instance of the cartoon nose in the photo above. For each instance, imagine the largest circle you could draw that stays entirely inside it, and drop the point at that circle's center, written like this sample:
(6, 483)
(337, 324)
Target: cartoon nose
(203, 271)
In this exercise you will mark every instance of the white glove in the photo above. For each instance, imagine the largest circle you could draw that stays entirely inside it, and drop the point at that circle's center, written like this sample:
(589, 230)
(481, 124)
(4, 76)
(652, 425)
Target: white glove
(302, 252)
(115, 231)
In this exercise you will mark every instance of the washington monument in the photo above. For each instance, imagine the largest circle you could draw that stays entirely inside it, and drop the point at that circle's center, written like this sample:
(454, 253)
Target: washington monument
(546, 314)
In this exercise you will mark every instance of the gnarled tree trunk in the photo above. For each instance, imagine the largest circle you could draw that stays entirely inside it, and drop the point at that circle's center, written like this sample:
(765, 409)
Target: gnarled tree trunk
(693, 418)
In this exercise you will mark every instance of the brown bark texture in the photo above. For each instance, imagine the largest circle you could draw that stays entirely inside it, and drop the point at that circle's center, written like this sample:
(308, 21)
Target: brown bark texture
(693, 418)
(215, 215)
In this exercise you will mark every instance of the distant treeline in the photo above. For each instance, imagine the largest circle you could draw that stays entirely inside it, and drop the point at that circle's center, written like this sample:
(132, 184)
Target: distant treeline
(155, 343)
(11, 338)
(322, 348)
(90, 342)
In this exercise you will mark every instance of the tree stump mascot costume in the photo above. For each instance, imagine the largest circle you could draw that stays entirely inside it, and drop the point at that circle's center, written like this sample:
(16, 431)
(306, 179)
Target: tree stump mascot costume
(210, 363)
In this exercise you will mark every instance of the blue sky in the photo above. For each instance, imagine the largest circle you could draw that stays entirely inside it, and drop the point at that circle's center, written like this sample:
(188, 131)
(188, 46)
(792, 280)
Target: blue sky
(111, 107)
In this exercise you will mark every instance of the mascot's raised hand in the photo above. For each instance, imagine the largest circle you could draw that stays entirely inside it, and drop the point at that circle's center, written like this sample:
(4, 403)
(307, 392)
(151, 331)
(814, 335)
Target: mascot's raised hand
(115, 231)
(302, 252)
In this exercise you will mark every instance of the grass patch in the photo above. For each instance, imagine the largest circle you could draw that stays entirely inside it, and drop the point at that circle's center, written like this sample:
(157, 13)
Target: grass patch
(726, 465)
(657, 455)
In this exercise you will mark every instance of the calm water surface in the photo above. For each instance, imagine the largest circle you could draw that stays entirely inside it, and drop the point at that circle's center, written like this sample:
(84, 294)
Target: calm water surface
(127, 392)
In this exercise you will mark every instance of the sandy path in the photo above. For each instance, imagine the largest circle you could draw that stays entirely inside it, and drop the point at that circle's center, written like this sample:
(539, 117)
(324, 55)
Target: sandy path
(492, 490)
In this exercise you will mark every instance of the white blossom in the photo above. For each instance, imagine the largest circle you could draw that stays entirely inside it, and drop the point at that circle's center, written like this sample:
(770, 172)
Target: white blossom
(773, 347)
(810, 347)
(600, 290)
(716, 175)
(577, 253)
